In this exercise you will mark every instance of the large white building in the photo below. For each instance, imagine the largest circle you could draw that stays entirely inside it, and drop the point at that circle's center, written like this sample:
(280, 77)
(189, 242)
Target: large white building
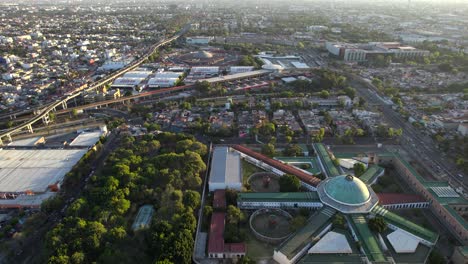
(225, 169)
(364, 52)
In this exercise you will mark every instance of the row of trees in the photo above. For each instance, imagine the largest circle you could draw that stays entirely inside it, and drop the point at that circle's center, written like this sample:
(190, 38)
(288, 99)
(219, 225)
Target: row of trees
(162, 170)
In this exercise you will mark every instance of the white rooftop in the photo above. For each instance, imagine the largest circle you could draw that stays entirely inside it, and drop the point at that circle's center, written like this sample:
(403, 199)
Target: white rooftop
(403, 242)
(331, 243)
(35, 170)
(445, 192)
(288, 79)
(127, 81)
(27, 142)
(137, 74)
(348, 163)
(300, 65)
(86, 139)
(225, 166)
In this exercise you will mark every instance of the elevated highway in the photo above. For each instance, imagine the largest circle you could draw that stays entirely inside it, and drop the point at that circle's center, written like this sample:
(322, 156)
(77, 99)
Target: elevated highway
(43, 114)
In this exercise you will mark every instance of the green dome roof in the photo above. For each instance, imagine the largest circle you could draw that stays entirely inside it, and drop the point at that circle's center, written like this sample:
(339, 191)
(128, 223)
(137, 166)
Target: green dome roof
(347, 190)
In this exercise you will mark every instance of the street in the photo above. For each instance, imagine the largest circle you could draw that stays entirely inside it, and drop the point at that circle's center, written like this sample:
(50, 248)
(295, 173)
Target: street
(420, 147)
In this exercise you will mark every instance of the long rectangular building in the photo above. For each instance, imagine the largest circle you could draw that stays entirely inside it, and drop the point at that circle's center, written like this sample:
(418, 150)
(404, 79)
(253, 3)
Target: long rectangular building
(364, 51)
(225, 170)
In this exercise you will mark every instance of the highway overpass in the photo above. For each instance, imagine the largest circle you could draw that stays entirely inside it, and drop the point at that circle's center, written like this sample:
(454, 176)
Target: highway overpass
(43, 114)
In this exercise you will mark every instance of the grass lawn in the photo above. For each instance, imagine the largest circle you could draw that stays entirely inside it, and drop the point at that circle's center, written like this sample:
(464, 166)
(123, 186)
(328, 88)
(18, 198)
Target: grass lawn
(247, 170)
(388, 183)
(257, 250)
(416, 216)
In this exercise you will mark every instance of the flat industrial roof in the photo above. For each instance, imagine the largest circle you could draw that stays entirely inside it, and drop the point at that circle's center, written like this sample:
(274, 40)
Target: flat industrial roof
(35, 170)
(27, 142)
(87, 139)
(225, 166)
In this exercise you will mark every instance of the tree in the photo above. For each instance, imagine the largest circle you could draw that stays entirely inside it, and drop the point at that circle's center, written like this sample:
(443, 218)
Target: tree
(51, 117)
(77, 258)
(292, 150)
(350, 92)
(268, 149)
(377, 224)
(191, 199)
(324, 94)
(267, 129)
(289, 183)
(359, 169)
(338, 221)
(186, 106)
(234, 215)
(319, 136)
(117, 233)
(203, 87)
(74, 113)
(231, 197)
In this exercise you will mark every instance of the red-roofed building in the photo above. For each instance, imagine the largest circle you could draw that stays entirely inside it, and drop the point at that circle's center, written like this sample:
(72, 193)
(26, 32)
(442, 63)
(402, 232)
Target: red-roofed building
(219, 199)
(216, 238)
(402, 201)
(216, 246)
(304, 177)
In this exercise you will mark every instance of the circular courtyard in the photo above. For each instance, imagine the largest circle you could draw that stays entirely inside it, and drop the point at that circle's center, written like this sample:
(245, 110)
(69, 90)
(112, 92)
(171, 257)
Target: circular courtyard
(264, 182)
(271, 225)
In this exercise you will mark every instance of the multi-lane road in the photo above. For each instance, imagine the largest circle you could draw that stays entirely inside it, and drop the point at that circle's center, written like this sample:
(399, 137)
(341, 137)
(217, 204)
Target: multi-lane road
(421, 147)
(52, 106)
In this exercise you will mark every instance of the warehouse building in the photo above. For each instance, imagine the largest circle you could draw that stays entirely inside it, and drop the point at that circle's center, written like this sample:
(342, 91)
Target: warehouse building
(225, 170)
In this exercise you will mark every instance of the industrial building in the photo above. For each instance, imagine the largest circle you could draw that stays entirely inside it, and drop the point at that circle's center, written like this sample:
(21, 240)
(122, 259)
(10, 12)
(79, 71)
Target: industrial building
(30, 175)
(225, 170)
(365, 51)
(34, 170)
(162, 82)
(240, 69)
(124, 82)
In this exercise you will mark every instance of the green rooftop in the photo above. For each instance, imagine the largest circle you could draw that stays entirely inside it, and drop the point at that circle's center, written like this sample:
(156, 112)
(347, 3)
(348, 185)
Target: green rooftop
(347, 190)
(301, 238)
(314, 169)
(330, 168)
(278, 197)
(367, 239)
(371, 173)
(406, 225)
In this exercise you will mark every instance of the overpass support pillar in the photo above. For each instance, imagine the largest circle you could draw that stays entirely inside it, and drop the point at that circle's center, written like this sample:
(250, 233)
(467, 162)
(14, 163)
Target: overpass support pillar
(1, 142)
(64, 105)
(9, 138)
(45, 119)
(13, 116)
(30, 129)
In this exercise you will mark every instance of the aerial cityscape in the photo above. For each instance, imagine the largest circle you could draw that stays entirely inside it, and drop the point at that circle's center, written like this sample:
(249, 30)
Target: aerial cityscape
(202, 131)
